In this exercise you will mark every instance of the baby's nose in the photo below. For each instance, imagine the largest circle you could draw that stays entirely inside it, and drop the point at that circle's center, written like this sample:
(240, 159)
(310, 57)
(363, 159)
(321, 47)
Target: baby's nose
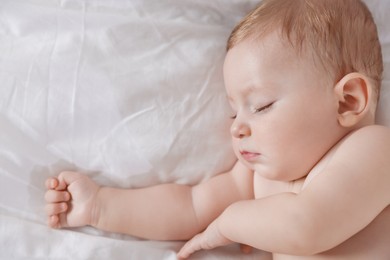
(240, 130)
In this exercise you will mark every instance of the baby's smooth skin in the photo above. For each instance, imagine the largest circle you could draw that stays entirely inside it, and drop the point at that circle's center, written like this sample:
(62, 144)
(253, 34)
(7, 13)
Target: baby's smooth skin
(311, 182)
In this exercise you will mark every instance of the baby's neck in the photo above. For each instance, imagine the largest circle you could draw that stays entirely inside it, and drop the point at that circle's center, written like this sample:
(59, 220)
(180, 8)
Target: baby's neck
(321, 165)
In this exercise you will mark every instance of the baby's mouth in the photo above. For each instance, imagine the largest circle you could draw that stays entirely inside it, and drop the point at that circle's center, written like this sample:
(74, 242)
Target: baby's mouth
(249, 156)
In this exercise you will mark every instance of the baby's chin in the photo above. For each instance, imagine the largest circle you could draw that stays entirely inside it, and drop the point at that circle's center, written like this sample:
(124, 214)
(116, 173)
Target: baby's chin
(272, 173)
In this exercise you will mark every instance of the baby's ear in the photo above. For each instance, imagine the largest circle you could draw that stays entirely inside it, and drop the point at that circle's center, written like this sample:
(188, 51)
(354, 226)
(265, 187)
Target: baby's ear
(354, 94)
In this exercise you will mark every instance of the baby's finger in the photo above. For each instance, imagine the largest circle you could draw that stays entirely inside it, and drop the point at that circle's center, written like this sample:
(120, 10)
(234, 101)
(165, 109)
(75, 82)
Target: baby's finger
(189, 248)
(68, 177)
(52, 196)
(53, 221)
(51, 183)
(56, 208)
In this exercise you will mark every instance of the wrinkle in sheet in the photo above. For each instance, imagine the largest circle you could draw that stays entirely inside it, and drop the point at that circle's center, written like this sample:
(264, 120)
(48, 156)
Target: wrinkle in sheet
(8, 100)
(136, 163)
(77, 75)
(188, 121)
(49, 70)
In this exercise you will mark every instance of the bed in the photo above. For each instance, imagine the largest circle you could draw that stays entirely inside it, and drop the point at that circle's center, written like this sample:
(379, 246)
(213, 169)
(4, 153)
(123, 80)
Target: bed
(128, 92)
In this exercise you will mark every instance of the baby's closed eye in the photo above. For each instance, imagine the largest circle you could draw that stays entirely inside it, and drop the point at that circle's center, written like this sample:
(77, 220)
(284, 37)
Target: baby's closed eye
(264, 108)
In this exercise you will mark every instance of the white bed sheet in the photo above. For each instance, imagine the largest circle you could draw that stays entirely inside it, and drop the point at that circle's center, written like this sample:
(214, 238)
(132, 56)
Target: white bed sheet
(129, 92)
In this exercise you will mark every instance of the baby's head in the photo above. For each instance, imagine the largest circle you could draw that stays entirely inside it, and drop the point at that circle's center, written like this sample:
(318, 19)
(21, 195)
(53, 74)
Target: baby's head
(300, 75)
(340, 36)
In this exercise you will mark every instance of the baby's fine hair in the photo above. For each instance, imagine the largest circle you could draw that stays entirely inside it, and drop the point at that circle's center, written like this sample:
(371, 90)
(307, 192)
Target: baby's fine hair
(340, 34)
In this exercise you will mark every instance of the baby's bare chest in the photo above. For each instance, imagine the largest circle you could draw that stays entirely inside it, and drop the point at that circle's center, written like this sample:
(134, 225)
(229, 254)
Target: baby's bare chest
(263, 187)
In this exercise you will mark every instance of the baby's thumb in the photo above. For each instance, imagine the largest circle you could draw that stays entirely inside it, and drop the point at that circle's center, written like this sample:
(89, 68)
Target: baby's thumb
(66, 178)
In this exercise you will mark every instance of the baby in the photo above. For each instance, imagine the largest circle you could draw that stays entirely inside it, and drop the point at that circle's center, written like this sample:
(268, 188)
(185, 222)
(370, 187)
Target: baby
(313, 172)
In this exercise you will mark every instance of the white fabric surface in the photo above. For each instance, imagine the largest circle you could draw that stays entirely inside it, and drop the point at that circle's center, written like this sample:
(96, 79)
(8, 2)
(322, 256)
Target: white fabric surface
(128, 92)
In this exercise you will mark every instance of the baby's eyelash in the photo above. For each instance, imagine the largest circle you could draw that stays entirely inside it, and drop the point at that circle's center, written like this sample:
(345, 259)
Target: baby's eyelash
(264, 108)
(257, 110)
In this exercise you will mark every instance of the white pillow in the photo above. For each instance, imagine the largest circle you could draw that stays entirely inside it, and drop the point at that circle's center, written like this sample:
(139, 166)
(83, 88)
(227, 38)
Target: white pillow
(130, 92)
(380, 10)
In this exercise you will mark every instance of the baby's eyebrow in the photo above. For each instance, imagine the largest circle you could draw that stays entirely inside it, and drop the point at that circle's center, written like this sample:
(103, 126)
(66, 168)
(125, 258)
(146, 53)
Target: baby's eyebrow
(246, 91)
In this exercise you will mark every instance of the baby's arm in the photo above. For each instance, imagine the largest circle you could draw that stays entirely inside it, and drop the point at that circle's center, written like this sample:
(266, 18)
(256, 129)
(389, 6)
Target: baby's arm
(349, 194)
(163, 212)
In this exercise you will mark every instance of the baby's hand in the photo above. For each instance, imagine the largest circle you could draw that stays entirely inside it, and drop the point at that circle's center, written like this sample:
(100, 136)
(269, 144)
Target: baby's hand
(70, 200)
(208, 239)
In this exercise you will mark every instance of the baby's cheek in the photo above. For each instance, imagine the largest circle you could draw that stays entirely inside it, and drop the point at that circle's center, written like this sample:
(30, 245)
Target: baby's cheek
(236, 147)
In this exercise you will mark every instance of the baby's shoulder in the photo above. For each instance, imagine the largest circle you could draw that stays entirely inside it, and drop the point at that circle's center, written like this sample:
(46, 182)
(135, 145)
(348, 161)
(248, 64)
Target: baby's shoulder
(369, 143)
(371, 136)
(374, 129)
(363, 151)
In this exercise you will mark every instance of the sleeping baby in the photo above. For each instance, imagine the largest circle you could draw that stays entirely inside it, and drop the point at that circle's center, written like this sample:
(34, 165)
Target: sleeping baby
(312, 175)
